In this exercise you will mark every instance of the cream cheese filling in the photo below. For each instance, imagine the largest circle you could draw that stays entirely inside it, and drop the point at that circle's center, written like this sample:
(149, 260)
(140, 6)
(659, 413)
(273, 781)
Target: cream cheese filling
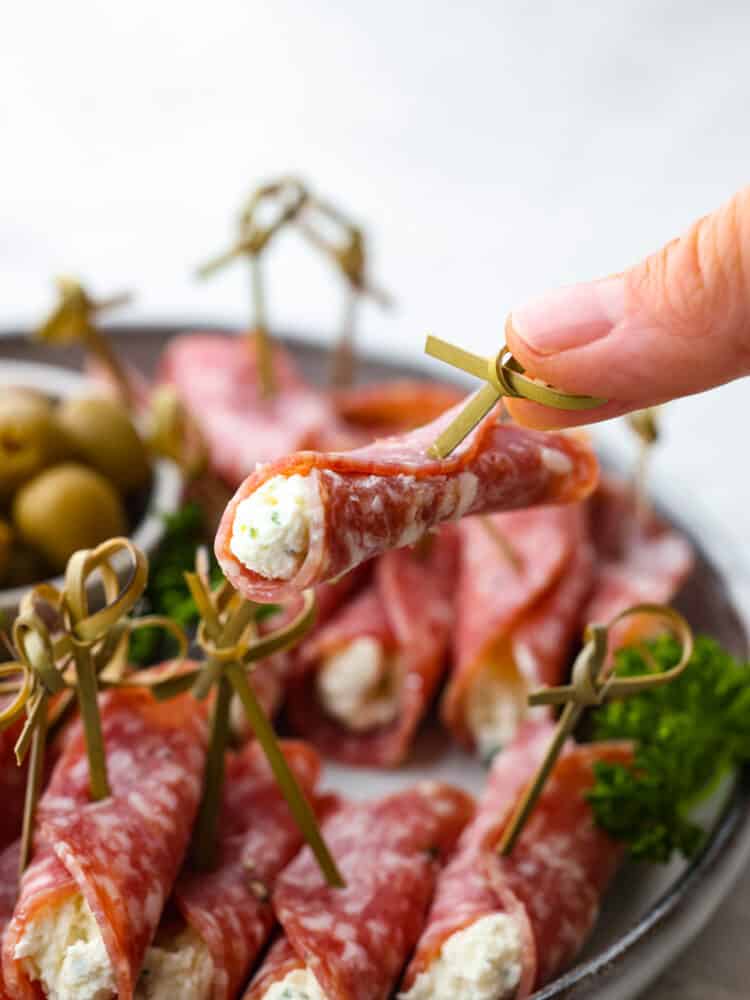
(496, 701)
(481, 962)
(358, 685)
(63, 948)
(271, 529)
(300, 984)
(176, 964)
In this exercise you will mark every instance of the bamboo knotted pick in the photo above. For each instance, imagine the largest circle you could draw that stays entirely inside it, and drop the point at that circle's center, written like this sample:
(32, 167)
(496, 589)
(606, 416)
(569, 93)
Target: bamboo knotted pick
(228, 636)
(63, 649)
(645, 426)
(74, 320)
(348, 254)
(504, 376)
(286, 197)
(593, 683)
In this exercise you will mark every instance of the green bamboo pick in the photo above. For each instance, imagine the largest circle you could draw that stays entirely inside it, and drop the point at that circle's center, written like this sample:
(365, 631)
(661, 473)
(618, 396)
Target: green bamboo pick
(350, 259)
(227, 634)
(645, 426)
(503, 376)
(288, 196)
(74, 320)
(593, 683)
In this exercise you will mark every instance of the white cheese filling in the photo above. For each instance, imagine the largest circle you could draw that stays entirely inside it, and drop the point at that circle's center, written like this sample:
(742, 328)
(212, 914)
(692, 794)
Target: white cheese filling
(496, 703)
(481, 962)
(271, 530)
(298, 985)
(63, 947)
(183, 961)
(358, 685)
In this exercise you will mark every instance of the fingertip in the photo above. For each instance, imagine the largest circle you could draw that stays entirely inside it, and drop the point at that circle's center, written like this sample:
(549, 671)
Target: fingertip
(543, 418)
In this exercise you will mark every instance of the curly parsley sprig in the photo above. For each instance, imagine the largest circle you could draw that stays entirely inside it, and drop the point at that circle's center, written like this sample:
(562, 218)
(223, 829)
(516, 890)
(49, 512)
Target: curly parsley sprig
(687, 736)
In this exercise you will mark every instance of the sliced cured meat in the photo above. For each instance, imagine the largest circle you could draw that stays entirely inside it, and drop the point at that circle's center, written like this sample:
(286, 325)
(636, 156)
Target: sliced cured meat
(350, 944)
(522, 583)
(371, 673)
(381, 408)
(500, 928)
(91, 899)
(312, 516)
(12, 786)
(10, 858)
(272, 677)
(640, 558)
(216, 378)
(225, 915)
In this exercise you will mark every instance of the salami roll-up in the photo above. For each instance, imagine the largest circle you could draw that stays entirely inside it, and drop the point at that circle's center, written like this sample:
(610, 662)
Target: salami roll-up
(10, 858)
(371, 673)
(92, 896)
(224, 916)
(501, 927)
(523, 579)
(351, 944)
(272, 677)
(640, 558)
(381, 408)
(311, 516)
(216, 378)
(12, 785)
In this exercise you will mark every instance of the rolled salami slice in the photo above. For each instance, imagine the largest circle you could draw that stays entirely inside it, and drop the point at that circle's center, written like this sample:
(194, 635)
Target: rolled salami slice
(12, 785)
(225, 915)
(93, 894)
(500, 928)
(381, 408)
(312, 516)
(640, 558)
(519, 600)
(10, 858)
(350, 944)
(373, 670)
(216, 377)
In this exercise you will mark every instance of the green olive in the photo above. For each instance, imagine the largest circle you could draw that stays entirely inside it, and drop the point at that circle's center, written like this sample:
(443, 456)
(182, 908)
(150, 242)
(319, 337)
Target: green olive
(30, 438)
(103, 436)
(66, 508)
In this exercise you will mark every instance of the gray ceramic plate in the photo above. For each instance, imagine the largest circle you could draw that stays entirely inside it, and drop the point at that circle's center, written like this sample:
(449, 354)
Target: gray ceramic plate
(650, 913)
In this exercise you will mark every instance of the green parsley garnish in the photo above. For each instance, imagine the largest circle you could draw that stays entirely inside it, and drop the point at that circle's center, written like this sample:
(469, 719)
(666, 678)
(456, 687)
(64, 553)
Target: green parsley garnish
(167, 593)
(688, 735)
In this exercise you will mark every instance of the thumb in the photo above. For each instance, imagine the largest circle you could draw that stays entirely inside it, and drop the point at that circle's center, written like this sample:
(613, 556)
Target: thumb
(675, 324)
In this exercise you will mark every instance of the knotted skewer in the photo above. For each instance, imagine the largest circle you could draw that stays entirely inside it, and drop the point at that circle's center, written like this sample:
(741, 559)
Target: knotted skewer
(228, 636)
(74, 320)
(504, 376)
(63, 649)
(349, 256)
(288, 195)
(593, 683)
(645, 425)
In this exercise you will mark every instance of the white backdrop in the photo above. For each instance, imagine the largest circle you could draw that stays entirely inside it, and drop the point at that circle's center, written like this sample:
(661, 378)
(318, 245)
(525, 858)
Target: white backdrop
(493, 149)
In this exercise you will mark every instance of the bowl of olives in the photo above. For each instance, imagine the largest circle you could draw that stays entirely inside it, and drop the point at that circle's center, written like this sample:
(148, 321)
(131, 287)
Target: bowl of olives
(74, 471)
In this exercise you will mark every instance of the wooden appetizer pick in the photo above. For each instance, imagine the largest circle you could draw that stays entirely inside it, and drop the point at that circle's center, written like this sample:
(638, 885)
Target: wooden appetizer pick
(228, 636)
(645, 425)
(593, 683)
(504, 376)
(350, 258)
(64, 649)
(288, 196)
(74, 320)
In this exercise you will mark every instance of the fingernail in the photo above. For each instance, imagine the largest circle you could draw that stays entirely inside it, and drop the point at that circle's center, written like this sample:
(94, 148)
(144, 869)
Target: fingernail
(570, 317)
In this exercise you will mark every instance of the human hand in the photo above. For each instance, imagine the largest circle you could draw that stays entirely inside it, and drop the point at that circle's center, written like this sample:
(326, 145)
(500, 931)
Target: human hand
(675, 324)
